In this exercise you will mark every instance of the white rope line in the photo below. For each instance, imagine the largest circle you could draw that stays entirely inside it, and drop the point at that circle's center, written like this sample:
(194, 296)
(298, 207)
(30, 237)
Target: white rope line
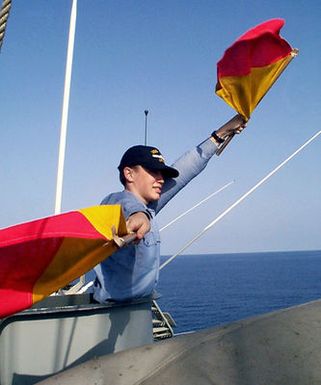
(198, 204)
(241, 199)
(4, 15)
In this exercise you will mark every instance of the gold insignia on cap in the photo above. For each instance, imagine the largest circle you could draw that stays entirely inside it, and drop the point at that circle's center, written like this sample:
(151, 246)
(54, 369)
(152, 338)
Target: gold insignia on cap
(156, 154)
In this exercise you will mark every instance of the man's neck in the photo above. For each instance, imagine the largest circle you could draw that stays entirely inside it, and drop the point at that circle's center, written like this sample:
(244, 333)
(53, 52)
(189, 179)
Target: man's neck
(134, 192)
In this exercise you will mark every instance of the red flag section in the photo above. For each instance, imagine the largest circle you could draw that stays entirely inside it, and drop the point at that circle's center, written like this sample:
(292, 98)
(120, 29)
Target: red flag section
(41, 256)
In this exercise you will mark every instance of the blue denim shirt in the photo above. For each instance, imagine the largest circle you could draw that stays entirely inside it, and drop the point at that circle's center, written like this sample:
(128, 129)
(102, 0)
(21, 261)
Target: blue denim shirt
(132, 272)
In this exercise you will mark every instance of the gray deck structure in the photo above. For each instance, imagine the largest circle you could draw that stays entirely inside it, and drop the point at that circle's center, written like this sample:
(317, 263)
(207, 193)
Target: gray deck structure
(63, 331)
(280, 348)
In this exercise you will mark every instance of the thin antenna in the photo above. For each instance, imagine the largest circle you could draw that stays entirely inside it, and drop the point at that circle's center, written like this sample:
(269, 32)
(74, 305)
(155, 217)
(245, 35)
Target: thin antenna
(146, 113)
(65, 107)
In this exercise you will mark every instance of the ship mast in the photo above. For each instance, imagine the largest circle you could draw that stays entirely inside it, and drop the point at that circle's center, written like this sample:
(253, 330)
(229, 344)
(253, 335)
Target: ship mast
(65, 107)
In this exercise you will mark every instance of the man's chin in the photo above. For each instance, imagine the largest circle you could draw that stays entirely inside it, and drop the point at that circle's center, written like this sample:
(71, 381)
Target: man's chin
(155, 198)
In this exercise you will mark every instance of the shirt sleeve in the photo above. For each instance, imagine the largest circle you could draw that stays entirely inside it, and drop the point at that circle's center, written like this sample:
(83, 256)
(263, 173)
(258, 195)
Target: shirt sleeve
(189, 166)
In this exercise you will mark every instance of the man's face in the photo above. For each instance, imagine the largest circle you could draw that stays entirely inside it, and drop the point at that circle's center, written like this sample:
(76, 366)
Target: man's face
(145, 184)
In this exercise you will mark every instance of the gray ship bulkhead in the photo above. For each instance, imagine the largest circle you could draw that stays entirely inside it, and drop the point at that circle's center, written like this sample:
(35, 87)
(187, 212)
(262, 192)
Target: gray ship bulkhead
(63, 331)
(280, 348)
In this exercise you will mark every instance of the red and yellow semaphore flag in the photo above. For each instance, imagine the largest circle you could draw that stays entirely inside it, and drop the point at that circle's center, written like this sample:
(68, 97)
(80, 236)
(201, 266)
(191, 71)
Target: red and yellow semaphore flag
(39, 257)
(251, 65)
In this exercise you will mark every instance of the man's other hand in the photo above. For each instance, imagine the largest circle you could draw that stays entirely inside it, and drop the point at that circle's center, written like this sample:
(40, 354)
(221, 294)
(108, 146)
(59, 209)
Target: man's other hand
(139, 224)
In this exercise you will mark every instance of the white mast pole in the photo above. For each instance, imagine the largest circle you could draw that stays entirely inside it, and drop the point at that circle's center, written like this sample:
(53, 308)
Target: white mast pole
(65, 107)
(244, 196)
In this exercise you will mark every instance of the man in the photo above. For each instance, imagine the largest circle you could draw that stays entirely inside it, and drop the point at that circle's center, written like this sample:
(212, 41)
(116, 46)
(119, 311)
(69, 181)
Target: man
(132, 272)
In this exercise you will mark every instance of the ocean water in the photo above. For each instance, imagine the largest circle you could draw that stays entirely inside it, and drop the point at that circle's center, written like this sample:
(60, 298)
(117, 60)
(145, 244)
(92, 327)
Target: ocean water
(201, 291)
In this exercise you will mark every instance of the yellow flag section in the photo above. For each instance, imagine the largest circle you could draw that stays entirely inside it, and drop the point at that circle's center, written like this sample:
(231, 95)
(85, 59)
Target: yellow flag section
(39, 257)
(244, 93)
(251, 65)
(78, 255)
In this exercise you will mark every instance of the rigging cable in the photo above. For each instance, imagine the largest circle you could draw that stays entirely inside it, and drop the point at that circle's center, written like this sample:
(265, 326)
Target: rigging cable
(4, 15)
(244, 196)
(197, 204)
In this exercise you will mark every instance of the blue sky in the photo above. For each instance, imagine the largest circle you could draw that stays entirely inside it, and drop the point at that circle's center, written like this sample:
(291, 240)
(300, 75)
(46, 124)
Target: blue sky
(135, 55)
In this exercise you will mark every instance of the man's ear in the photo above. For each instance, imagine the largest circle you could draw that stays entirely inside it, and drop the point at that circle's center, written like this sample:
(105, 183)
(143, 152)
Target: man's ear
(128, 174)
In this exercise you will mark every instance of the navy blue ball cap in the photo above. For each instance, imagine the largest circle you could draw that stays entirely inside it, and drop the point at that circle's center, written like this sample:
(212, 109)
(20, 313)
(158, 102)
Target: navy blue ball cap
(149, 158)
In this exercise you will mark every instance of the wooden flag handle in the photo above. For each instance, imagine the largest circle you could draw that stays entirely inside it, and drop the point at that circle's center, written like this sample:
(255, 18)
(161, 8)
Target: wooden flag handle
(234, 125)
(124, 240)
(219, 151)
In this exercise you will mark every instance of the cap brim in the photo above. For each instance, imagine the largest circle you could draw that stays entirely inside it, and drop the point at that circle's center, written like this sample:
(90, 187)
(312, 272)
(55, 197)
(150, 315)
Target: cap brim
(168, 172)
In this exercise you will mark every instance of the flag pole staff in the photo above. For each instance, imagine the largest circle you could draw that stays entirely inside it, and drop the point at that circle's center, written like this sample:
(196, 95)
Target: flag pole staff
(244, 196)
(198, 204)
(65, 107)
